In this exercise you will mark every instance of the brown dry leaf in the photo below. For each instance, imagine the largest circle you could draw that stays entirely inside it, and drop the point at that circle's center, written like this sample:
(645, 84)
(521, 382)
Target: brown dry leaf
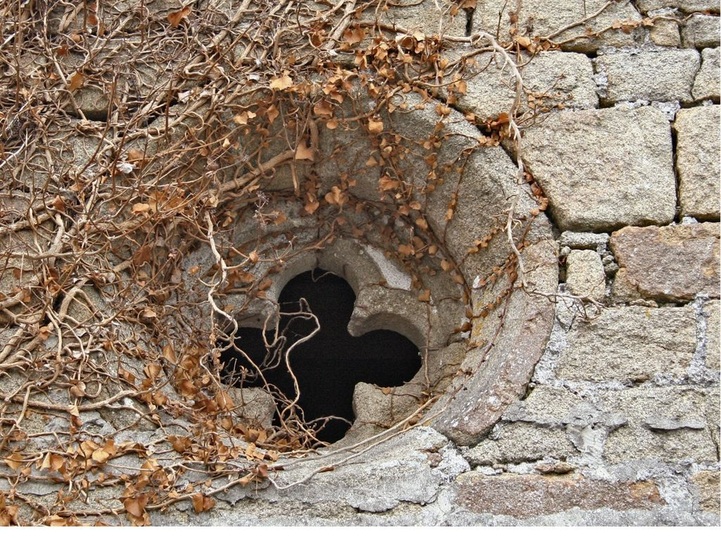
(59, 204)
(446, 265)
(169, 354)
(14, 461)
(282, 82)
(323, 108)
(406, 250)
(135, 155)
(180, 443)
(78, 390)
(386, 183)
(303, 152)
(201, 503)
(424, 295)
(336, 196)
(142, 255)
(354, 35)
(152, 370)
(76, 81)
(224, 401)
(176, 17)
(140, 208)
(8, 512)
(272, 113)
(422, 223)
(135, 506)
(375, 126)
(243, 117)
(311, 206)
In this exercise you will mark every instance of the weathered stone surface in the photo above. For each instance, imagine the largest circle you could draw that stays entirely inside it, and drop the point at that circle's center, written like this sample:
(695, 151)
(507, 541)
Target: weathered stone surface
(587, 241)
(707, 490)
(697, 161)
(638, 443)
(665, 32)
(524, 496)
(550, 79)
(633, 343)
(701, 31)
(585, 276)
(665, 75)
(521, 442)
(602, 169)
(254, 406)
(706, 84)
(712, 334)
(683, 5)
(502, 368)
(428, 16)
(548, 17)
(670, 263)
(666, 423)
(407, 468)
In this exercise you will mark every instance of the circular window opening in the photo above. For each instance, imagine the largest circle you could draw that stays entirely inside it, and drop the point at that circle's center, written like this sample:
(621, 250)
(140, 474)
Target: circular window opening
(310, 363)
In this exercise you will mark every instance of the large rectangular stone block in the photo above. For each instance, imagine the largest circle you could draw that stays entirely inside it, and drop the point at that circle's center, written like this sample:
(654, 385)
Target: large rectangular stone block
(630, 343)
(524, 496)
(670, 263)
(603, 169)
(665, 75)
(522, 442)
(697, 161)
(706, 84)
(663, 423)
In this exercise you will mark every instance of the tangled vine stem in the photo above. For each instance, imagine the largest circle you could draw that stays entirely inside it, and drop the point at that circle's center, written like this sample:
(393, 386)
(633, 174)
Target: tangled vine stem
(132, 138)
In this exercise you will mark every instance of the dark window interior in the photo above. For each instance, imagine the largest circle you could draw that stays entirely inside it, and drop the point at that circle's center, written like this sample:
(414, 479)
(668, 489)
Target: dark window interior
(329, 364)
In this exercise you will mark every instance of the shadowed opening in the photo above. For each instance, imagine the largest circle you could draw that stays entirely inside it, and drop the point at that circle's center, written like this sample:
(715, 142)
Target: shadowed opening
(327, 364)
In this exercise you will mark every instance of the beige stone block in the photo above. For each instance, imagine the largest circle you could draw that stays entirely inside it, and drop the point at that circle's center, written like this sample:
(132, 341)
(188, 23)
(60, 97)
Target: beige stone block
(670, 263)
(697, 161)
(585, 275)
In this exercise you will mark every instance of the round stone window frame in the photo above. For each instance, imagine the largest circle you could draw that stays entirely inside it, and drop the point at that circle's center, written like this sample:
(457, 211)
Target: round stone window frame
(504, 327)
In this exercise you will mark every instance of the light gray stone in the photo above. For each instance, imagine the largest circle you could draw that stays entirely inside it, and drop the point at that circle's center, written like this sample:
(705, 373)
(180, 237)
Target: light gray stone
(407, 468)
(551, 79)
(697, 161)
(683, 5)
(701, 31)
(706, 84)
(659, 408)
(635, 444)
(602, 169)
(667, 423)
(665, 75)
(585, 276)
(586, 241)
(521, 442)
(711, 309)
(253, 406)
(548, 17)
(632, 343)
(669, 263)
(427, 16)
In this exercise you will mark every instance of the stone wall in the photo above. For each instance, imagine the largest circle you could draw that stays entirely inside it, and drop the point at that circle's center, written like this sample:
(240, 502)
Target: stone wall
(619, 422)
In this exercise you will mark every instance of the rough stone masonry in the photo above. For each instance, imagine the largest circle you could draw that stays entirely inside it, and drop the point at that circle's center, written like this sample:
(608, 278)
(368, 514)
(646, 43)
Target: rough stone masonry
(619, 422)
